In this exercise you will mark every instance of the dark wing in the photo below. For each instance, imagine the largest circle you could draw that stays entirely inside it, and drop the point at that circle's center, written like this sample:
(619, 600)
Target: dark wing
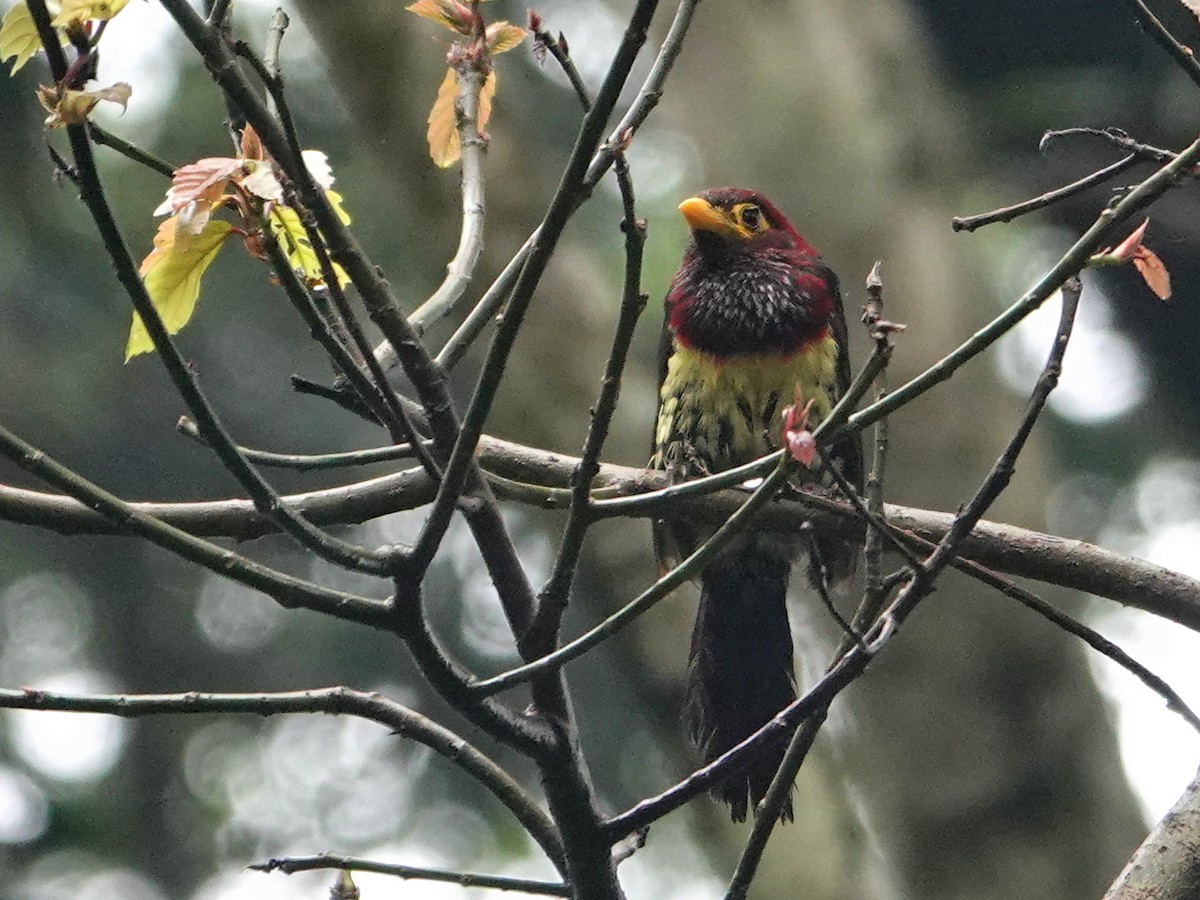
(848, 450)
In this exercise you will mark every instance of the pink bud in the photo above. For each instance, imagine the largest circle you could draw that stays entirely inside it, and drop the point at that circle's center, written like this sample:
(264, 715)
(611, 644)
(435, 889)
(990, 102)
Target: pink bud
(1126, 250)
(803, 446)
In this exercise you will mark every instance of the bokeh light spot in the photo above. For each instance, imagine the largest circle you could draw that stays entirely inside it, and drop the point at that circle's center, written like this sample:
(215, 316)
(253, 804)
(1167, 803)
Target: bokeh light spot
(66, 746)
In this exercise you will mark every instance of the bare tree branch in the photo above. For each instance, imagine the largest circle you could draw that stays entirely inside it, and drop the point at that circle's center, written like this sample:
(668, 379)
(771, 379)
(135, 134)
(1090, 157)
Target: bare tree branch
(470, 241)
(1051, 559)
(371, 706)
(1071, 263)
(1166, 866)
(285, 589)
(1008, 213)
(291, 864)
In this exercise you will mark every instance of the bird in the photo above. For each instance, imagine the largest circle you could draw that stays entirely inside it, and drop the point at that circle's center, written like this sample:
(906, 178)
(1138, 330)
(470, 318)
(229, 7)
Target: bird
(753, 320)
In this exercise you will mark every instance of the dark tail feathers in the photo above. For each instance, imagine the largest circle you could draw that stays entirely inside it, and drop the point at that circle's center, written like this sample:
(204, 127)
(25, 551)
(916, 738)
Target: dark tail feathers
(741, 675)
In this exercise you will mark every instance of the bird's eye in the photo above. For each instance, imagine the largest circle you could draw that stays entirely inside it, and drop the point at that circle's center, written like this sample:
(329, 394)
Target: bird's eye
(751, 217)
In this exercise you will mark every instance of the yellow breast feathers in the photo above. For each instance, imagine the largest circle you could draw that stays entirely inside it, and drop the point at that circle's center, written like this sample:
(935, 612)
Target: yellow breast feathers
(718, 413)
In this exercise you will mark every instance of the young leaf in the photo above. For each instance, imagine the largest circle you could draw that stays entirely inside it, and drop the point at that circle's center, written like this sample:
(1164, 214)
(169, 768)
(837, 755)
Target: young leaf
(442, 133)
(443, 122)
(72, 107)
(1153, 272)
(83, 10)
(172, 278)
(18, 37)
(293, 240)
(504, 36)
(486, 93)
(454, 15)
(338, 204)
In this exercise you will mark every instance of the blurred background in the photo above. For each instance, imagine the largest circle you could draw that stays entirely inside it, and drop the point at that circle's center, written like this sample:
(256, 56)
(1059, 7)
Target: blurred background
(985, 755)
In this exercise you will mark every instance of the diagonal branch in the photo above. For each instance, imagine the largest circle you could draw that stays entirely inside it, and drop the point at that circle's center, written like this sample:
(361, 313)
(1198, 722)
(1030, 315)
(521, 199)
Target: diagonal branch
(266, 500)
(1071, 263)
(686, 570)
(552, 601)
(287, 590)
(1166, 865)
(570, 193)
(1008, 213)
(1183, 56)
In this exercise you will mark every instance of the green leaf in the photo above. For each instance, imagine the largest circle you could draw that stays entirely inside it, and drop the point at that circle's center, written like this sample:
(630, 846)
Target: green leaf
(172, 278)
(293, 239)
(504, 36)
(18, 36)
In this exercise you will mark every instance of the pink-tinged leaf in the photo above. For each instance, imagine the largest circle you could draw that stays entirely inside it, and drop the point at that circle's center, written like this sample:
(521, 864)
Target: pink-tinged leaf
(504, 36)
(1153, 272)
(797, 438)
(172, 275)
(202, 182)
(251, 144)
(260, 180)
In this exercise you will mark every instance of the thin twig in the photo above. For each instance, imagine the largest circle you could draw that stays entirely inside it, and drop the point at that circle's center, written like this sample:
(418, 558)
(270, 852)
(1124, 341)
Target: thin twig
(275, 31)
(1071, 263)
(553, 598)
(557, 48)
(1008, 213)
(371, 706)
(308, 462)
(1115, 136)
(1183, 56)
(130, 151)
(218, 12)
(287, 590)
(528, 734)
(324, 330)
(291, 864)
(339, 318)
(566, 198)
(874, 594)
(1089, 636)
(686, 570)
(478, 318)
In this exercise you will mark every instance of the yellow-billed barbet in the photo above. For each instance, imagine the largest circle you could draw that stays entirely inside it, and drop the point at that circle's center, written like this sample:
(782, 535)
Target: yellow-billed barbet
(752, 315)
